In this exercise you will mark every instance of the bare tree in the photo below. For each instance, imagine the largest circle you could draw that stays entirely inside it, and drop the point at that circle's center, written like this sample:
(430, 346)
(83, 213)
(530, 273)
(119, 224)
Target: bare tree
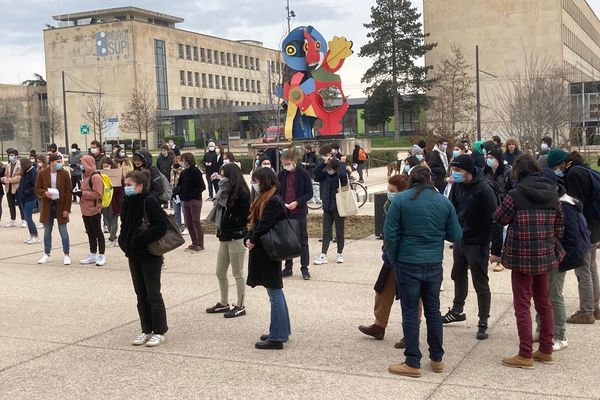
(220, 120)
(140, 116)
(9, 119)
(54, 117)
(534, 103)
(96, 112)
(451, 110)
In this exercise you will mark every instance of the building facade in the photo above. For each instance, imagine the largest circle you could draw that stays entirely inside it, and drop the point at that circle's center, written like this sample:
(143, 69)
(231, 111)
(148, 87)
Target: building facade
(23, 117)
(106, 54)
(508, 33)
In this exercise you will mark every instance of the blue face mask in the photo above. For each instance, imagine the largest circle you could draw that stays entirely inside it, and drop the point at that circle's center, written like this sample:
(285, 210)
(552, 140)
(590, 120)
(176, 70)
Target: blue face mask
(559, 172)
(129, 190)
(491, 162)
(544, 146)
(391, 196)
(458, 177)
(444, 147)
(11, 158)
(407, 168)
(419, 157)
(455, 153)
(82, 167)
(58, 166)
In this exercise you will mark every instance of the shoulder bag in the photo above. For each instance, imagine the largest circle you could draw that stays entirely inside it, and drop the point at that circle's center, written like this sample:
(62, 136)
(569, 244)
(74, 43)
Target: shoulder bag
(171, 240)
(282, 242)
(345, 200)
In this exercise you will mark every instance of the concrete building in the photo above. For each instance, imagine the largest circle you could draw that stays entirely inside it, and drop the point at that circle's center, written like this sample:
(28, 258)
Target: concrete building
(23, 117)
(565, 32)
(105, 54)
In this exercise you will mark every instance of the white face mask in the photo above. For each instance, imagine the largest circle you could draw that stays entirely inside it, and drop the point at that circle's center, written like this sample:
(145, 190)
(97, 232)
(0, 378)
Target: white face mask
(106, 168)
(225, 162)
(94, 150)
(211, 148)
(122, 154)
(256, 187)
(289, 168)
(73, 151)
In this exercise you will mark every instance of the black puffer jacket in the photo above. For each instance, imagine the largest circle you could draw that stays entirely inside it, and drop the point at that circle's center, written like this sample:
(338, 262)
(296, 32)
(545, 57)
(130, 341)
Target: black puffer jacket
(156, 186)
(501, 180)
(579, 185)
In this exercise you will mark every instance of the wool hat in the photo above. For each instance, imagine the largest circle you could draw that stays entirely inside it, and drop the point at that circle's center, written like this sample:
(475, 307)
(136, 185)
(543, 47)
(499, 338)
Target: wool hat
(556, 156)
(416, 150)
(497, 154)
(54, 157)
(464, 161)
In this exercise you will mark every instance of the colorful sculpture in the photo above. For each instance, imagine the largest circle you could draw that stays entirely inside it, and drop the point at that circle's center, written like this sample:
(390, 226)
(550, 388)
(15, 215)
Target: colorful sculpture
(314, 63)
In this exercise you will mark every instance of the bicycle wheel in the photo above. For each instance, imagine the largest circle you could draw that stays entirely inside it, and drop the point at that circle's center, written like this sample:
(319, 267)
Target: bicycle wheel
(361, 193)
(313, 204)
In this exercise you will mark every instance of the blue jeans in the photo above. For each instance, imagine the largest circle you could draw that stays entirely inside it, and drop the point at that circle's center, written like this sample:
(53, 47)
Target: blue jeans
(414, 282)
(280, 329)
(177, 211)
(28, 210)
(62, 229)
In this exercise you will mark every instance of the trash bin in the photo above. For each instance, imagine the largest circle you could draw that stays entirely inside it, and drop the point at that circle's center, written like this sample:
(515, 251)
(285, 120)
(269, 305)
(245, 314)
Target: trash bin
(379, 201)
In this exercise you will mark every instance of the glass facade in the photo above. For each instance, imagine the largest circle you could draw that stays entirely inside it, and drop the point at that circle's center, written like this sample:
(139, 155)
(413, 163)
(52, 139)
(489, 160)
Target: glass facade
(585, 112)
(162, 88)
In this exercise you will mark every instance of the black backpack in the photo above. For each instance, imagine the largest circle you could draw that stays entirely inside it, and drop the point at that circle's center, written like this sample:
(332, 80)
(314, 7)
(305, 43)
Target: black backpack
(595, 179)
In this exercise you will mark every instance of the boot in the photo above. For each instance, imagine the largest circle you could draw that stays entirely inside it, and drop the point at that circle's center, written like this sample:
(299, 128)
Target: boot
(437, 366)
(581, 317)
(543, 358)
(376, 331)
(405, 370)
(518, 362)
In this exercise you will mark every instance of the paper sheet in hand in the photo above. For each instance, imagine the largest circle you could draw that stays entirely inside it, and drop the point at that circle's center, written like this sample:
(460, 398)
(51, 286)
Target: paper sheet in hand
(54, 193)
(115, 176)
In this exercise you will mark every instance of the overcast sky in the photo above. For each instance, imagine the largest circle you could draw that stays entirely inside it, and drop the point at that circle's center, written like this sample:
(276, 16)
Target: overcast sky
(22, 47)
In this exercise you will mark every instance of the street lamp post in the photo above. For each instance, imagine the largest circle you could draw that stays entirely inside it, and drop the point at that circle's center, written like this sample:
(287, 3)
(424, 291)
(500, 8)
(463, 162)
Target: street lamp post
(290, 14)
(477, 71)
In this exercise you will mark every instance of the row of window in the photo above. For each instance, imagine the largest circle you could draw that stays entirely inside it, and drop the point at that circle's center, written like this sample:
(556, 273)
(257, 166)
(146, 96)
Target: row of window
(197, 102)
(574, 43)
(575, 12)
(211, 81)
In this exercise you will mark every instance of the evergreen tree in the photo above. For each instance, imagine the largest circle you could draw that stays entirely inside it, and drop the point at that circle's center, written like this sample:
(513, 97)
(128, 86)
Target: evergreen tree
(379, 106)
(396, 41)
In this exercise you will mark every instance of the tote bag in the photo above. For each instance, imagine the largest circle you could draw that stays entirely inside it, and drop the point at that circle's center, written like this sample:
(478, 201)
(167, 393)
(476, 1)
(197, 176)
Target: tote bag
(345, 200)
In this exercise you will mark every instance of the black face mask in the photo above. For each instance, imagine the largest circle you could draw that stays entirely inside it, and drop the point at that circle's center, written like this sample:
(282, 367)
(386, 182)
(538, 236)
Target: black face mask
(176, 165)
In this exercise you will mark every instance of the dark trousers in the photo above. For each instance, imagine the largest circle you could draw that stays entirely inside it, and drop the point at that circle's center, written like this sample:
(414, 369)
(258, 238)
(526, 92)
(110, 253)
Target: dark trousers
(420, 282)
(524, 288)
(13, 203)
(191, 212)
(1, 196)
(93, 228)
(304, 258)
(209, 184)
(75, 180)
(476, 258)
(329, 218)
(359, 169)
(145, 274)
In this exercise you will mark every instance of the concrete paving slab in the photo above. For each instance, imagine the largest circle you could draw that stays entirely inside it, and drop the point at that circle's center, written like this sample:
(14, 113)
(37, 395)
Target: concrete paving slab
(16, 351)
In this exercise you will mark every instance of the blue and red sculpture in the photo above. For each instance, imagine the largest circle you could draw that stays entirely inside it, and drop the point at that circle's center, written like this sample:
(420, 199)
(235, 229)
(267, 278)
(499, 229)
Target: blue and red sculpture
(313, 62)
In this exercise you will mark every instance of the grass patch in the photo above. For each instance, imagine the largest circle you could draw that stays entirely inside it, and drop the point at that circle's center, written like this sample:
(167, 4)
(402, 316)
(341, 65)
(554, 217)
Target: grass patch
(387, 141)
(357, 226)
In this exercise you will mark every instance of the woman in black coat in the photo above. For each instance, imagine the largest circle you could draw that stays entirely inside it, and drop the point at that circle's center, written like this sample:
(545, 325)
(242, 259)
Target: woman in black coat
(145, 267)
(267, 209)
(189, 188)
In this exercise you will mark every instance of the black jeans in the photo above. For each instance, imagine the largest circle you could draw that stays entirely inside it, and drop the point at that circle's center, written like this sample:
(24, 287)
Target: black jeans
(304, 258)
(329, 218)
(476, 258)
(93, 228)
(75, 180)
(13, 203)
(210, 185)
(145, 274)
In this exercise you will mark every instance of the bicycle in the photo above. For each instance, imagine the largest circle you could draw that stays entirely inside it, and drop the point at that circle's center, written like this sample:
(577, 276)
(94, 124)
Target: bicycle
(362, 194)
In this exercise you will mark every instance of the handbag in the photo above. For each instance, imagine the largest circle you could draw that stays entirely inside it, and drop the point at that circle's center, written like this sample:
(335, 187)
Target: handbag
(171, 240)
(282, 242)
(345, 200)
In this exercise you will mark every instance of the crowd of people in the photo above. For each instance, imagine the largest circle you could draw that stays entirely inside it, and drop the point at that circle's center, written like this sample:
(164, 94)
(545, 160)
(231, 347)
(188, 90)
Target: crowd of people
(495, 204)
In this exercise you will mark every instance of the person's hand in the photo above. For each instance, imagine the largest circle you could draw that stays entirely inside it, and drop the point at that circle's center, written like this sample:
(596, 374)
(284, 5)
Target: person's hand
(449, 180)
(494, 259)
(48, 195)
(3, 179)
(293, 205)
(249, 244)
(65, 214)
(343, 159)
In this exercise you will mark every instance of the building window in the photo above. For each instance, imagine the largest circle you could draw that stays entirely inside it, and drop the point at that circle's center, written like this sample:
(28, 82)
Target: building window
(253, 85)
(188, 52)
(191, 102)
(229, 83)
(197, 78)
(219, 103)
(272, 66)
(237, 103)
(222, 58)
(198, 102)
(209, 55)
(210, 81)
(160, 60)
(202, 58)
(182, 77)
(247, 85)
(204, 103)
(183, 103)
(190, 82)
(235, 60)
(256, 60)
(235, 84)
(195, 53)
(215, 56)
(203, 80)
(223, 83)
(241, 84)
(273, 89)
(217, 82)
(229, 59)
(278, 68)
(241, 61)
(251, 62)
(258, 86)
(212, 103)
(180, 50)
(246, 64)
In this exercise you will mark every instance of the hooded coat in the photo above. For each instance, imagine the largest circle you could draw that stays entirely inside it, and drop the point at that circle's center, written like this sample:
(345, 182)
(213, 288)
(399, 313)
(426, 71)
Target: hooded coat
(92, 188)
(156, 186)
(579, 185)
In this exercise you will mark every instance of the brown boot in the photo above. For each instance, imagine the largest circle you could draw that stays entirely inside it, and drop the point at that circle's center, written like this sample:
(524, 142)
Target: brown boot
(376, 331)
(581, 317)
(518, 362)
(405, 370)
(437, 366)
(543, 358)
(597, 314)
(401, 344)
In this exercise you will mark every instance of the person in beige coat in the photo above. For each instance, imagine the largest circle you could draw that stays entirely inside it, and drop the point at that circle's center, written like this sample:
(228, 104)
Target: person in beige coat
(11, 179)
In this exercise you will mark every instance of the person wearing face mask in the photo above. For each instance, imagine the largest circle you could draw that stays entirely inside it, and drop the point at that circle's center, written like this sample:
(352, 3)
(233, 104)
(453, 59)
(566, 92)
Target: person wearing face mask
(75, 165)
(91, 191)
(42, 162)
(165, 160)
(97, 152)
(438, 163)
(545, 147)
(26, 196)
(123, 161)
(54, 150)
(475, 203)
(145, 267)
(11, 179)
(556, 162)
(53, 188)
(176, 200)
(209, 161)
(174, 148)
(111, 213)
(295, 187)
(331, 172)
(189, 189)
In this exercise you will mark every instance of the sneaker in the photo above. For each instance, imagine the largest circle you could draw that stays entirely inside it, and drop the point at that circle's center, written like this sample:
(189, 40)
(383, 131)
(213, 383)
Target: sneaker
(11, 224)
(321, 260)
(559, 344)
(286, 272)
(405, 370)
(453, 316)
(156, 340)
(40, 226)
(305, 275)
(269, 345)
(23, 224)
(90, 259)
(141, 339)
(45, 258)
(597, 314)
(185, 232)
(581, 317)
(518, 362)
(235, 312)
(26, 241)
(483, 332)
(67, 260)
(339, 259)
(498, 267)
(112, 243)
(101, 260)
(218, 308)
(543, 358)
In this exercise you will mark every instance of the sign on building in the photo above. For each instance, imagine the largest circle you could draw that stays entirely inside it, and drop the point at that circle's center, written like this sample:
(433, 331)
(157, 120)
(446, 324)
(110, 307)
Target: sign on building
(112, 43)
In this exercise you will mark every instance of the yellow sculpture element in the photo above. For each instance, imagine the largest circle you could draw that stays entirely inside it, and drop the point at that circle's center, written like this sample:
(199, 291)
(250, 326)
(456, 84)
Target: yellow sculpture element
(339, 49)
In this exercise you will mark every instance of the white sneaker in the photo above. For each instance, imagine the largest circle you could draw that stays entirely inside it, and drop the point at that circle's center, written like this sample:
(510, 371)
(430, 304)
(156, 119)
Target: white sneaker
(23, 224)
(33, 240)
(67, 260)
(45, 258)
(105, 229)
(339, 258)
(101, 260)
(156, 340)
(321, 260)
(11, 224)
(112, 243)
(90, 259)
(26, 241)
(40, 226)
(185, 232)
(559, 344)
(141, 339)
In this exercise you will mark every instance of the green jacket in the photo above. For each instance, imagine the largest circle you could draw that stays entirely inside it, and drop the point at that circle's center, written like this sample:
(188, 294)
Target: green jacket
(415, 230)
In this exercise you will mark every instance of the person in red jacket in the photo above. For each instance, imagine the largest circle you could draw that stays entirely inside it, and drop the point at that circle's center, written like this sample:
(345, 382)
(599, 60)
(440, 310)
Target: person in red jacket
(92, 188)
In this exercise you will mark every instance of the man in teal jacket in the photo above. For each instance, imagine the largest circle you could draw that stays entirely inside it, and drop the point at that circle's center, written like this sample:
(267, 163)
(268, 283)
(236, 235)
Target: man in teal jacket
(417, 224)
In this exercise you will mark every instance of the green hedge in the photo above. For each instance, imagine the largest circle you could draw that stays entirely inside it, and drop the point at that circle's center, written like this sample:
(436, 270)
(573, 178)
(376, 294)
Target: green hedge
(179, 140)
(245, 161)
(199, 143)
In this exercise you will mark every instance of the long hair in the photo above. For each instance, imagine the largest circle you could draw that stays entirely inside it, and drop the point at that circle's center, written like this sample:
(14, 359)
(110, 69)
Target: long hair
(237, 184)
(523, 166)
(399, 181)
(420, 176)
(25, 165)
(268, 184)
(512, 141)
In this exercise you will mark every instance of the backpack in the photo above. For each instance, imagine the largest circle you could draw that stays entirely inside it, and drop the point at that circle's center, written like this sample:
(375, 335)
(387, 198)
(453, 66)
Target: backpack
(107, 191)
(595, 179)
(362, 155)
(167, 192)
(576, 241)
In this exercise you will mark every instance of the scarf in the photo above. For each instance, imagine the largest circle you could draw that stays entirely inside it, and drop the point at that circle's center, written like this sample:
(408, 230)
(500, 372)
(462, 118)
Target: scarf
(219, 203)
(443, 156)
(258, 206)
